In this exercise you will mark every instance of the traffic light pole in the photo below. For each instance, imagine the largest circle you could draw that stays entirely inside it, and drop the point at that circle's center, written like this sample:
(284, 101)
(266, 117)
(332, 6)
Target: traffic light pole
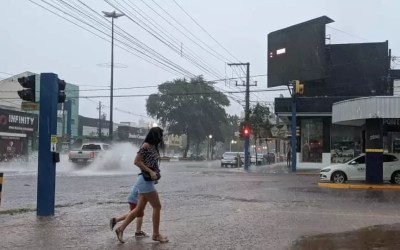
(47, 127)
(246, 113)
(294, 124)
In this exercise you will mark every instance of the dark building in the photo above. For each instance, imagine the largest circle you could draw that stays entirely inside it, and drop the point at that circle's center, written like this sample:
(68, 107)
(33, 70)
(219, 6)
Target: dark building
(330, 73)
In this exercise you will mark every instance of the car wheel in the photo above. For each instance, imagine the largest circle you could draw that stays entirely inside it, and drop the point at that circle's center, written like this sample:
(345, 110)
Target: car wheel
(338, 177)
(395, 178)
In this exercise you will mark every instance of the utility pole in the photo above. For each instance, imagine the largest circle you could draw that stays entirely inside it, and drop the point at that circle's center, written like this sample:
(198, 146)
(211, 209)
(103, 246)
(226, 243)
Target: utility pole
(112, 15)
(99, 129)
(246, 113)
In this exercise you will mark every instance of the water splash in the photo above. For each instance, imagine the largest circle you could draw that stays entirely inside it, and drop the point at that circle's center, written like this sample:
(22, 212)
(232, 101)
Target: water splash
(118, 160)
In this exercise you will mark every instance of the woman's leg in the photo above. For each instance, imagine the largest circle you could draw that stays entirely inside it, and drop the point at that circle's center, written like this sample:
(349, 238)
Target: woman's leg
(142, 201)
(154, 200)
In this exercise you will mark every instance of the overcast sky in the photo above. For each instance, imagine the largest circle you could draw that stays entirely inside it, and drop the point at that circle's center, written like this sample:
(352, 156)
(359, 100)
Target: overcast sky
(33, 39)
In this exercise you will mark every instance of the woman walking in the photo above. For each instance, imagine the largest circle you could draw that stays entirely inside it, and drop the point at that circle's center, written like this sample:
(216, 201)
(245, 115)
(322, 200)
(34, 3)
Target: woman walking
(147, 159)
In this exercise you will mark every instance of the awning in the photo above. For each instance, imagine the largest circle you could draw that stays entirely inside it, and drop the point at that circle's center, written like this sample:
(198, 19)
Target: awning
(353, 112)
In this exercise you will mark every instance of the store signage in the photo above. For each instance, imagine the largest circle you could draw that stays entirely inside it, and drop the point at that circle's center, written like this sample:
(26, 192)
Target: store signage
(391, 122)
(136, 136)
(11, 121)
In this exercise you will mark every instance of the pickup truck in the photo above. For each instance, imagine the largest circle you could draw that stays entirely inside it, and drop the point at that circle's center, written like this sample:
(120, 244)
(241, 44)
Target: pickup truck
(88, 152)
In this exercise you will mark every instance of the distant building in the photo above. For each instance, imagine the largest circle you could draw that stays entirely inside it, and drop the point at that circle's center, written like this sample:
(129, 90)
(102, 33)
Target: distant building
(9, 99)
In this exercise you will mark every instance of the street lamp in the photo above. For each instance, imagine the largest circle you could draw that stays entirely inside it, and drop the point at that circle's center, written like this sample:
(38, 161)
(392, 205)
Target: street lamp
(112, 15)
(208, 147)
(230, 145)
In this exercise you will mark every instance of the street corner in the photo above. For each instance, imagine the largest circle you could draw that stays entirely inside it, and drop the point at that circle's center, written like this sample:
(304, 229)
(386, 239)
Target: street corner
(359, 186)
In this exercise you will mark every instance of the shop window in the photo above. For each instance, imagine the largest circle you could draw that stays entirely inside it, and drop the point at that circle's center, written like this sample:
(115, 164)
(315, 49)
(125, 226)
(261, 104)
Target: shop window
(346, 143)
(311, 140)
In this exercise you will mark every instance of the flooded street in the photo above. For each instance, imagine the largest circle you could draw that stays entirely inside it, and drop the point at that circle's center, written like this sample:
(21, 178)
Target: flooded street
(204, 207)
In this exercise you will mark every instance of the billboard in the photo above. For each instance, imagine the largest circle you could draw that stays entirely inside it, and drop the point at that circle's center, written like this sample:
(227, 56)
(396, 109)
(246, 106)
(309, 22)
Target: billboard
(297, 52)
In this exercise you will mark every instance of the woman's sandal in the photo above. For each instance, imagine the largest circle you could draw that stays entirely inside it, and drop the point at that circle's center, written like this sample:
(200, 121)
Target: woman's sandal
(160, 238)
(120, 234)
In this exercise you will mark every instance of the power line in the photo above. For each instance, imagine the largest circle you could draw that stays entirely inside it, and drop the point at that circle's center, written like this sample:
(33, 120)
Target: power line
(159, 58)
(161, 38)
(157, 26)
(146, 95)
(210, 50)
(205, 31)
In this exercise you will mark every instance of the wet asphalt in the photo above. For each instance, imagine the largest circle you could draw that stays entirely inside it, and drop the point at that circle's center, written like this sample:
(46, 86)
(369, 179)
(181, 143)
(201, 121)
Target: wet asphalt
(204, 207)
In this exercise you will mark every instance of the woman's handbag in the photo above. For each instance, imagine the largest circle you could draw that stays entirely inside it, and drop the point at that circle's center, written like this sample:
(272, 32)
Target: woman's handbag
(147, 176)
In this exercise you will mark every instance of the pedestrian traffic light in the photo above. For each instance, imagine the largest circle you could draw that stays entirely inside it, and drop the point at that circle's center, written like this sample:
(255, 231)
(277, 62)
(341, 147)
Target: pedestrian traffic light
(299, 87)
(29, 84)
(61, 91)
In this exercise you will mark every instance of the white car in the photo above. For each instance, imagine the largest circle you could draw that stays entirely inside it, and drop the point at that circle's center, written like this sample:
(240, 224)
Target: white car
(355, 170)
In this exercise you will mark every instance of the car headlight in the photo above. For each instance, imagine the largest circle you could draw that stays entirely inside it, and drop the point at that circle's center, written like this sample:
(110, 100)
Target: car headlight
(325, 170)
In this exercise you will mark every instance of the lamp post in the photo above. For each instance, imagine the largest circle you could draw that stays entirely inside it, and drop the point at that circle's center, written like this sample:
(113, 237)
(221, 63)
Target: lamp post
(112, 15)
(211, 152)
(230, 145)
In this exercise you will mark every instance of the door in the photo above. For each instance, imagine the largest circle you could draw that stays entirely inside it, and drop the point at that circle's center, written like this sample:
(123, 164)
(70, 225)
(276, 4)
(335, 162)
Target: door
(356, 168)
(389, 163)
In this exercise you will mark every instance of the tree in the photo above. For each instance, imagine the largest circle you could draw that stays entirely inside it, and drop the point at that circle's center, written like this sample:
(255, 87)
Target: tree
(193, 108)
(259, 122)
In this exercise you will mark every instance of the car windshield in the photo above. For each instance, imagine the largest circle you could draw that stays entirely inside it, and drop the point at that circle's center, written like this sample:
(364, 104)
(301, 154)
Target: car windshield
(91, 147)
(230, 154)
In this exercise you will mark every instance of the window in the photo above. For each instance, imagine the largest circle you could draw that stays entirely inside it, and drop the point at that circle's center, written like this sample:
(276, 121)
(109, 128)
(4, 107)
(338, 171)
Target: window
(360, 160)
(345, 143)
(389, 158)
(311, 140)
(91, 147)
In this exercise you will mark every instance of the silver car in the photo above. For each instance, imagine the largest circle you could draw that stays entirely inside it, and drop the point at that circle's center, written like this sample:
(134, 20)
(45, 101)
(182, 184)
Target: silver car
(232, 159)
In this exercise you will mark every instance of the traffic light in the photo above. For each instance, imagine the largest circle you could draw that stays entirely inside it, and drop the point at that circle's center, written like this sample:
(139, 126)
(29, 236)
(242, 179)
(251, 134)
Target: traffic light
(299, 87)
(61, 91)
(246, 132)
(29, 84)
(297, 131)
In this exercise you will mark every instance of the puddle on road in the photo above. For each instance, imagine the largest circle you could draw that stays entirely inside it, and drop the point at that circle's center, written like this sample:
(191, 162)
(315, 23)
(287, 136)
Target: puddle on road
(383, 237)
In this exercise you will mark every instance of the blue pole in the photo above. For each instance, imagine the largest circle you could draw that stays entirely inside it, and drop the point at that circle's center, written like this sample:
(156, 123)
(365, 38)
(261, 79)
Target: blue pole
(246, 153)
(294, 124)
(47, 127)
(68, 104)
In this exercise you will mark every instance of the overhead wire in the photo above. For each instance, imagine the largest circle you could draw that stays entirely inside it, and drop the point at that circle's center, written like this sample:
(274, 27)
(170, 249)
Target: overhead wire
(99, 19)
(160, 29)
(155, 56)
(160, 37)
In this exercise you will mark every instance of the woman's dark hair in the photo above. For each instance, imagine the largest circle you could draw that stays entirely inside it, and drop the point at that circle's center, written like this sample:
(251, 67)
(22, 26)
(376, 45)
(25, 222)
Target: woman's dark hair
(155, 137)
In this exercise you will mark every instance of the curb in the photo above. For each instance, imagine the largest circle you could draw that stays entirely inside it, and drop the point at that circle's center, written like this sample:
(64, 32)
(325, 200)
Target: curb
(307, 173)
(359, 186)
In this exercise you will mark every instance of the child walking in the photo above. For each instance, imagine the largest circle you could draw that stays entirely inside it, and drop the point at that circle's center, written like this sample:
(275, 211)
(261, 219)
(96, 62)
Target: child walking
(132, 200)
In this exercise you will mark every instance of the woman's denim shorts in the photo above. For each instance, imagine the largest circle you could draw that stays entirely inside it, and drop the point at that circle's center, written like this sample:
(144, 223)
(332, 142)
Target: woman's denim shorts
(144, 186)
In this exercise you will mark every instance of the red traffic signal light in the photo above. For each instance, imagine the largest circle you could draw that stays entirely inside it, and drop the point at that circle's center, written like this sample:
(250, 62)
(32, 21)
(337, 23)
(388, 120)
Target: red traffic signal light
(246, 132)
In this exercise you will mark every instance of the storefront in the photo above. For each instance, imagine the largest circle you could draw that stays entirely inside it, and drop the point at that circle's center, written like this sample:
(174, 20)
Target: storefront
(18, 134)
(377, 127)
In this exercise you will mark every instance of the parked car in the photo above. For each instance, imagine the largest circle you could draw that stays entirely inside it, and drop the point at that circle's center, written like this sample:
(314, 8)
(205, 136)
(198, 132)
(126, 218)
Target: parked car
(355, 170)
(232, 159)
(260, 159)
(88, 152)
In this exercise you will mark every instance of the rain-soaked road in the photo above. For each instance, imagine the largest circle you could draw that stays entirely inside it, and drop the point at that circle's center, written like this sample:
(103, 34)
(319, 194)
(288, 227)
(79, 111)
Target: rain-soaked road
(204, 207)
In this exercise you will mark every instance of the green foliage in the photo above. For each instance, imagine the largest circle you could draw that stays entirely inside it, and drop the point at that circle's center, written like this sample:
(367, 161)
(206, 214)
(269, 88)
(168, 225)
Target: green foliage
(193, 108)
(259, 121)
